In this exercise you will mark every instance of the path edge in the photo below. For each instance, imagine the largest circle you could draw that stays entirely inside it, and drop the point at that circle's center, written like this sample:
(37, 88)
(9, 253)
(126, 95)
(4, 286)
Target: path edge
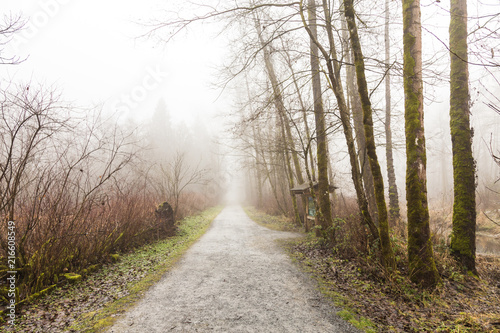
(104, 318)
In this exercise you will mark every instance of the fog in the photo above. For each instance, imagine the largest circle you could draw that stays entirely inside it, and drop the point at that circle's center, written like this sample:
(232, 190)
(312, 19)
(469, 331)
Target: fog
(128, 123)
(111, 108)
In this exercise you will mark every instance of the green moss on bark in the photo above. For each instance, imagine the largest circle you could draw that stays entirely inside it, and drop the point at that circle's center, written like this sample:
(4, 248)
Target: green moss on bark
(420, 252)
(463, 237)
(72, 277)
(386, 247)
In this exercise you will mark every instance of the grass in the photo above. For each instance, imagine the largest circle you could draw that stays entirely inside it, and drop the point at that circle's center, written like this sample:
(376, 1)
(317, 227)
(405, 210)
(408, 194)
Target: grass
(279, 223)
(170, 250)
(97, 301)
(309, 264)
(375, 302)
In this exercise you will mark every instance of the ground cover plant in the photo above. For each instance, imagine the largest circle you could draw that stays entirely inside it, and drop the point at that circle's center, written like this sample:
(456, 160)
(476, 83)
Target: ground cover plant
(93, 303)
(378, 302)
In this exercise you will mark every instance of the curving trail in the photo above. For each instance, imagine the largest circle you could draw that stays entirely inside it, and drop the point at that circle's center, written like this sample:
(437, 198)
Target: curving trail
(234, 279)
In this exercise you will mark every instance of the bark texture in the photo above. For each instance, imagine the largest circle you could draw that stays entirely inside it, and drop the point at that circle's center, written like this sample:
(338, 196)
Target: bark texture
(463, 237)
(323, 195)
(385, 242)
(357, 117)
(336, 86)
(394, 214)
(420, 252)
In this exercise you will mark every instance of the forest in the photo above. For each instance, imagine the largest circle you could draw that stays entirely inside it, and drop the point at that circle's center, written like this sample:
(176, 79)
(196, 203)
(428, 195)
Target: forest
(334, 94)
(373, 127)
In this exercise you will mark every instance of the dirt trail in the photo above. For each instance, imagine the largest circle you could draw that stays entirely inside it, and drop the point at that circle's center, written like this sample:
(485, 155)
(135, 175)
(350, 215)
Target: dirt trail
(234, 279)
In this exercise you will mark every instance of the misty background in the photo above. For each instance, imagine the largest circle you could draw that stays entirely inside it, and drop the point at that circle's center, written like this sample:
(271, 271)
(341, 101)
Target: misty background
(111, 108)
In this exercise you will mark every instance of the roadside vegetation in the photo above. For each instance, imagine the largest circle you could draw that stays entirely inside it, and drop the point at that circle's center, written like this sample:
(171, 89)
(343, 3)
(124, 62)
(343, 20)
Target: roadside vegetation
(278, 222)
(348, 272)
(77, 186)
(93, 304)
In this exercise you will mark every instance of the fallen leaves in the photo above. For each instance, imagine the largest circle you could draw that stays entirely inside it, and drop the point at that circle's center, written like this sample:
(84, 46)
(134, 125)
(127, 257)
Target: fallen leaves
(396, 305)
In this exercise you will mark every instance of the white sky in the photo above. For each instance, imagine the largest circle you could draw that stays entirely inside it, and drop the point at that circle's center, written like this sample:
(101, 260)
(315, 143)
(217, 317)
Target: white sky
(90, 51)
(88, 48)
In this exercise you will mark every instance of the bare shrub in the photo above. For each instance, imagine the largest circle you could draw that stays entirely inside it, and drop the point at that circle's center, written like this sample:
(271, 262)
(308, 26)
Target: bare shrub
(63, 182)
(350, 234)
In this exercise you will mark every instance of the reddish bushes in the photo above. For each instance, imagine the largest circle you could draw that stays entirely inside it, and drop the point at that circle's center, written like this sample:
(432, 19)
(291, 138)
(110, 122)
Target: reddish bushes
(75, 186)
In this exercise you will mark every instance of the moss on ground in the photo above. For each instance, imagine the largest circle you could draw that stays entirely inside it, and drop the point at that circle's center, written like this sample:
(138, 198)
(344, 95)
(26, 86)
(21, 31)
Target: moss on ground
(374, 302)
(94, 303)
(190, 230)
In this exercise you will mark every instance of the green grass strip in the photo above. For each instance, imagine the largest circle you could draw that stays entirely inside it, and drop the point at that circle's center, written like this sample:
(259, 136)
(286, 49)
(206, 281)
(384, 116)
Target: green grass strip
(306, 265)
(190, 230)
(279, 223)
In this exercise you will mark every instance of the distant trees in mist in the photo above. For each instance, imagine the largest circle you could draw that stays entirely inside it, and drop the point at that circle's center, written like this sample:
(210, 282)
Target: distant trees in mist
(309, 79)
(79, 183)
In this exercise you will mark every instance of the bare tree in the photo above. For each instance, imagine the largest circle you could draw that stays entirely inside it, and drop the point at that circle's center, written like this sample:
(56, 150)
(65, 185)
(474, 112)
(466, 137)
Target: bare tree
(394, 215)
(11, 25)
(335, 83)
(323, 197)
(386, 247)
(179, 175)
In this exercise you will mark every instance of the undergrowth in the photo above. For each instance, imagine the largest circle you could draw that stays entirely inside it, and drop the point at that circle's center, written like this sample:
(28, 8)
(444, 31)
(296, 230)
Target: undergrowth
(348, 272)
(94, 303)
(280, 222)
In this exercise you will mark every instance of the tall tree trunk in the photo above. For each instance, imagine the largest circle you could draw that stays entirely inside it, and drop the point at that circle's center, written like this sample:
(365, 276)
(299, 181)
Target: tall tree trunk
(268, 172)
(304, 116)
(291, 182)
(257, 169)
(357, 116)
(463, 237)
(394, 215)
(258, 173)
(378, 181)
(298, 170)
(323, 197)
(420, 253)
(336, 86)
(285, 124)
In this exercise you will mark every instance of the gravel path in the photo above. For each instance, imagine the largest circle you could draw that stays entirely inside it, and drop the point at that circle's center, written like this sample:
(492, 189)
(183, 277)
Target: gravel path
(234, 279)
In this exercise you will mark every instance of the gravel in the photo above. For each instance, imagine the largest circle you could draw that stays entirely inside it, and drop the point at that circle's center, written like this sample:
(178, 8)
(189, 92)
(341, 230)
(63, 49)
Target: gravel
(234, 279)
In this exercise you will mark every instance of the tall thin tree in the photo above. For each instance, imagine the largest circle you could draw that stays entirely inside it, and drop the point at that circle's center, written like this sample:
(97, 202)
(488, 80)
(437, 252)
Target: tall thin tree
(420, 252)
(391, 174)
(283, 120)
(334, 76)
(378, 182)
(463, 237)
(323, 197)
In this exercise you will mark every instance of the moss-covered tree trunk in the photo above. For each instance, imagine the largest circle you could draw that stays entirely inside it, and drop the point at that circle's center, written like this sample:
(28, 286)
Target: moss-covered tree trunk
(336, 86)
(357, 117)
(378, 182)
(394, 215)
(323, 195)
(420, 253)
(463, 237)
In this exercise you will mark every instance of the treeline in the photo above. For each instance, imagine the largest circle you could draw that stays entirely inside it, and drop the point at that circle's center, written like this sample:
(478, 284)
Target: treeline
(80, 185)
(310, 77)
